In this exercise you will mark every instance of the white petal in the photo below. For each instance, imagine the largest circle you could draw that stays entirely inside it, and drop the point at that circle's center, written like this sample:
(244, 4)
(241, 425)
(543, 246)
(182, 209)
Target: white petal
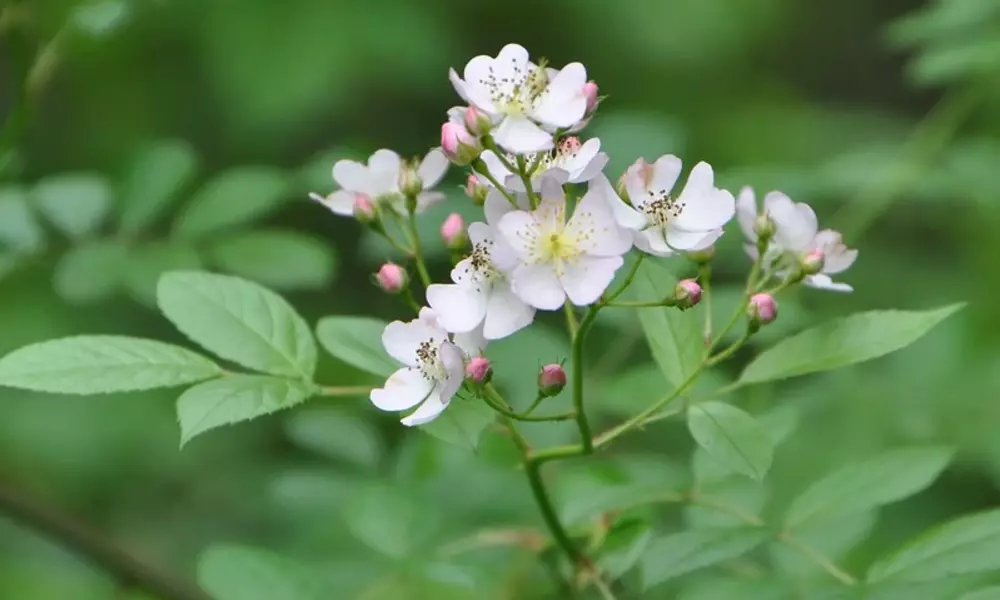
(521, 136)
(538, 286)
(460, 308)
(383, 172)
(653, 241)
(426, 200)
(456, 114)
(497, 206)
(594, 225)
(519, 230)
(476, 91)
(428, 411)
(428, 316)
(795, 223)
(550, 188)
(587, 278)
(705, 207)
(452, 356)
(471, 343)
(401, 340)
(666, 170)
(511, 59)
(823, 282)
(351, 176)
(563, 103)
(432, 168)
(505, 312)
(459, 85)
(494, 166)
(746, 212)
(340, 202)
(590, 169)
(636, 182)
(691, 240)
(836, 256)
(403, 390)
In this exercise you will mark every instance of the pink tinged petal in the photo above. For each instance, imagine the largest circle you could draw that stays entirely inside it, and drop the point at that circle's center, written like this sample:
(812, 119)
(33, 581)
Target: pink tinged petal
(426, 200)
(666, 170)
(494, 166)
(460, 308)
(428, 411)
(691, 240)
(401, 340)
(432, 168)
(746, 212)
(351, 176)
(586, 278)
(706, 212)
(340, 202)
(823, 282)
(593, 223)
(652, 241)
(476, 91)
(403, 390)
(563, 102)
(521, 136)
(505, 313)
(795, 223)
(538, 286)
(836, 256)
(519, 230)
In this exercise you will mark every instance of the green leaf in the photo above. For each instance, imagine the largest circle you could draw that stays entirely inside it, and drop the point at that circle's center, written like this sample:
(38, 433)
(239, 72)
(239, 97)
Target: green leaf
(90, 272)
(887, 478)
(234, 399)
(358, 342)
(844, 342)
(240, 573)
(76, 203)
(96, 364)
(990, 593)
(832, 538)
(462, 423)
(336, 434)
(674, 555)
(100, 17)
(623, 547)
(598, 491)
(966, 545)
(282, 259)
(674, 336)
(732, 437)
(239, 321)
(236, 197)
(19, 228)
(388, 521)
(157, 176)
(779, 423)
(148, 263)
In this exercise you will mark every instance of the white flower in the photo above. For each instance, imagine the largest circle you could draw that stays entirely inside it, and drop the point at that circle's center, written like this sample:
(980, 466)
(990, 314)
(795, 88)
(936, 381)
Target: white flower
(663, 223)
(572, 161)
(379, 181)
(796, 236)
(559, 259)
(434, 367)
(481, 294)
(522, 98)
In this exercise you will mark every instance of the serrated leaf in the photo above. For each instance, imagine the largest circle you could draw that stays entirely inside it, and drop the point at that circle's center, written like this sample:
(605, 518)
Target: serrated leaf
(674, 336)
(844, 342)
(156, 177)
(674, 555)
(97, 364)
(336, 434)
(239, 321)
(76, 203)
(146, 264)
(90, 272)
(462, 423)
(19, 228)
(234, 399)
(358, 342)
(278, 258)
(235, 197)
(240, 573)
(886, 478)
(732, 437)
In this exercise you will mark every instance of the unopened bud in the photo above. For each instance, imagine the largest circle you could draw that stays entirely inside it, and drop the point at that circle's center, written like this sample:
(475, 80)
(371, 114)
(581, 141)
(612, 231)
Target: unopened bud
(764, 227)
(364, 208)
(458, 144)
(813, 262)
(475, 190)
(453, 231)
(479, 370)
(590, 93)
(687, 293)
(391, 278)
(409, 181)
(621, 189)
(477, 122)
(762, 309)
(702, 256)
(551, 380)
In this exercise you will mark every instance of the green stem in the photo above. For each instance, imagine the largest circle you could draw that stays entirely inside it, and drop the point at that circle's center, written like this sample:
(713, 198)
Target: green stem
(628, 280)
(480, 167)
(533, 469)
(729, 351)
(638, 304)
(705, 279)
(535, 404)
(407, 295)
(418, 253)
(492, 401)
(522, 172)
(579, 338)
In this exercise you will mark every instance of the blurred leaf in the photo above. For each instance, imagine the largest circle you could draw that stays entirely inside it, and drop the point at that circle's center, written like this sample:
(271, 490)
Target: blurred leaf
(625, 136)
(832, 538)
(969, 544)
(990, 593)
(156, 178)
(676, 554)
(336, 434)
(756, 588)
(388, 521)
(239, 321)
(462, 423)
(779, 423)
(76, 203)
(19, 229)
(146, 264)
(887, 478)
(358, 342)
(99, 17)
(90, 272)
(236, 398)
(844, 342)
(97, 364)
(732, 437)
(235, 197)
(623, 547)
(976, 56)
(674, 336)
(740, 493)
(240, 573)
(282, 259)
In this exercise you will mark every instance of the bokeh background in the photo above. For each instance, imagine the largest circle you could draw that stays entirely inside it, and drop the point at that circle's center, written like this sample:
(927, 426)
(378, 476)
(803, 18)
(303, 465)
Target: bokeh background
(885, 116)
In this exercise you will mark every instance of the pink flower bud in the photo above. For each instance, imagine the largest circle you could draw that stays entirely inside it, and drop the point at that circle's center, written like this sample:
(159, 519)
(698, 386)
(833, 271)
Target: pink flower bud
(458, 144)
(590, 92)
(475, 190)
(687, 293)
(453, 231)
(479, 369)
(762, 309)
(364, 208)
(476, 122)
(813, 262)
(551, 380)
(391, 278)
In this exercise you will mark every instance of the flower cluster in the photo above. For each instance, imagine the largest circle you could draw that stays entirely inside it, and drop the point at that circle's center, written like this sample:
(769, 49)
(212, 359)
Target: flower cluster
(554, 230)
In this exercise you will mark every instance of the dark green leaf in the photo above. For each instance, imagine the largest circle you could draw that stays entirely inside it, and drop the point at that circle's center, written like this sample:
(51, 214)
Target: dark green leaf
(674, 555)
(623, 547)
(674, 336)
(158, 175)
(358, 342)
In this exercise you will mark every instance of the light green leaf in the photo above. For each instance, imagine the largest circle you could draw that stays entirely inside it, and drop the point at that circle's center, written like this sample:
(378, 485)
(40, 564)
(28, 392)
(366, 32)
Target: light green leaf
(990, 593)
(623, 547)
(740, 493)
(19, 228)
(674, 555)
(76, 203)
(732, 437)
(282, 259)
(763, 587)
(462, 423)
(90, 272)
(832, 538)
(844, 342)
(240, 321)
(156, 178)
(969, 544)
(388, 521)
(358, 342)
(886, 478)
(674, 336)
(236, 398)
(148, 263)
(779, 423)
(599, 489)
(336, 434)
(240, 573)
(97, 364)
(99, 17)
(236, 197)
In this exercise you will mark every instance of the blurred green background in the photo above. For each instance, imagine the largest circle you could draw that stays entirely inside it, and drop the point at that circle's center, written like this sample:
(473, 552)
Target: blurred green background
(885, 116)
